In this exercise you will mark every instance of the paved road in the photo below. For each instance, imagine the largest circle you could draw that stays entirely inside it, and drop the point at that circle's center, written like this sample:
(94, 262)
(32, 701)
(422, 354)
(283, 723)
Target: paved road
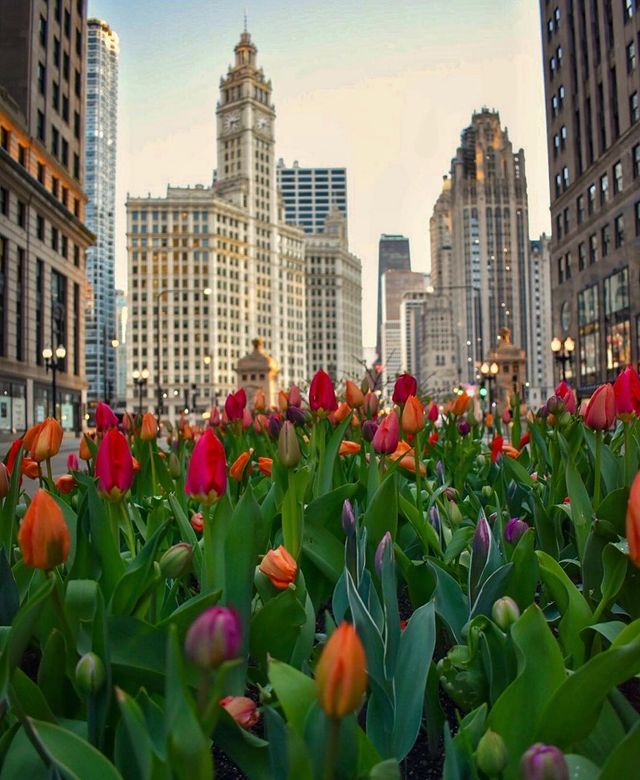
(58, 464)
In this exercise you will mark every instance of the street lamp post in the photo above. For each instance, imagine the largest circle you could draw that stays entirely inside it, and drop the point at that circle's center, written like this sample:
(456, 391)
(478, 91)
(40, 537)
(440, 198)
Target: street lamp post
(106, 385)
(489, 373)
(54, 362)
(563, 352)
(161, 293)
(140, 379)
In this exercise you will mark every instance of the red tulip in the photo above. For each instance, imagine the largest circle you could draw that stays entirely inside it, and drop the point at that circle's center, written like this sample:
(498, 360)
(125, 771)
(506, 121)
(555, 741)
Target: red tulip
(600, 413)
(432, 414)
(114, 465)
(633, 522)
(207, 473)
(496, 448)
(235, 404)
(105, 417)
(568, 397)
(626, 390)
(322, 396)
(405, 386)
(242, 710)
(65, 483)
(386, 437)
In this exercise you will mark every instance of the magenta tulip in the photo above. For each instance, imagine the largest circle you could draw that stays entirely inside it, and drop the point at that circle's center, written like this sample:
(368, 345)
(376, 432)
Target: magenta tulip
(114, 465)
(207, 473)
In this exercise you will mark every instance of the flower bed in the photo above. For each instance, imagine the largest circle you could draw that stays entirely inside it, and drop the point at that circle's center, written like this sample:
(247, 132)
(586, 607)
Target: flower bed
(327, 590)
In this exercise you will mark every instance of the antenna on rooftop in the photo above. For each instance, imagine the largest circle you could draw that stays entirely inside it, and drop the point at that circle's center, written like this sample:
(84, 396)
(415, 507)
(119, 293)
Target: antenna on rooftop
(246, 15)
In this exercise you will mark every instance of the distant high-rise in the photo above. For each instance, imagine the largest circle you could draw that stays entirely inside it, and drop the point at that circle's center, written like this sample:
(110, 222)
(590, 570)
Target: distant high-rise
(592, 88)
(309, 194)
(539, 358)
(333, 281)
(393, 253)
(121, 349)
(484, 270)
(43, 237)
(100, 186)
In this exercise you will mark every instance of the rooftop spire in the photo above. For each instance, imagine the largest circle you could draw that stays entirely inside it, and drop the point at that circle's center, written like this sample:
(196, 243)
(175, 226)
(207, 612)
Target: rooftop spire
(246, 15)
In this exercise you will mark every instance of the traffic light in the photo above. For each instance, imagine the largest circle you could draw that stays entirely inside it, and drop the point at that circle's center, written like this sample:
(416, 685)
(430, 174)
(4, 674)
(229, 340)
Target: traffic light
(483, 391)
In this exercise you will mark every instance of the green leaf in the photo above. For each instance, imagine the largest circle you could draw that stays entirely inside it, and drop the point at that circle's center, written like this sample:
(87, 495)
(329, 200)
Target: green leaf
(187, 534)
(450, 601)
(138, 577)
(324, 550)
(382, 513)
(325, 471)
(28, 699)
(626, 754)
(540, 673)
(492, 589)
(296, 692)
(459, 541)
(423, 528)
(581, 509)
(580, 768)
(614, 564)
(524, 577)
(276, 626)
(184, 615)
(133, 748)
(613, 508)
(517, 472)
(9, 596)
(105, 536)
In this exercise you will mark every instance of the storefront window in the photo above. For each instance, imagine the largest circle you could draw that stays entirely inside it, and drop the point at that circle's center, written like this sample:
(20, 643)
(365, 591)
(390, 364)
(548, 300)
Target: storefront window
(618, 347)
(589, 335)
(617, 322)
(13, 417)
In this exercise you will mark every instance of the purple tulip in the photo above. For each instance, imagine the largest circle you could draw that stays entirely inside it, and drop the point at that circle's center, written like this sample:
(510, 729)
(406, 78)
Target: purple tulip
(385, 543)
(434, 517)
(274, 425)
(296, 415)
(213, 638)
(463, 427)
(440, 471)
(481, 538)
(544, 762)
(514, 530)
(369, 428)
(348, 518)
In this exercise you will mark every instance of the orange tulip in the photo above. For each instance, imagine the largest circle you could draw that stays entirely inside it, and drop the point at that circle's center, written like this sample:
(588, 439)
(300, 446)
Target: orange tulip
(349, 448)
(30, 468)
(401, 450)
(5, 481)
(280, 567)
(242, 709)
(283, 401)
(65, 483)
(461, 403)
(85, 452)
(633, 522)
(342, 412)
(489, 420)
(408, 462)
(412, 419)
(149, 427)
(44, 439)
(260, 400)
(354, 395)
(44, 536)
(341, 673)
(237, 469)
(264, 466)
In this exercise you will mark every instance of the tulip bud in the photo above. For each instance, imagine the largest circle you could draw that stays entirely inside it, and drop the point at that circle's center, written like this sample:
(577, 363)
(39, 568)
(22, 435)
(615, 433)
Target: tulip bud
(487, 491)
(44, 440)
(371, 404)
(296, 415)
(432, 414)
(207, 473)
(294, 398)
(213, 638)
(5, 481)
(149, 427)
(65, 483)
(405, 386)
(455, 515)
(235, 404)
(73, 464)
(283, 401)
(633, 522)
(353, 394)
(439, 468)
(43, 536)
(84, 452)
(348, 518)
(176, 561)
(412, 415)
(260, 400)
(265, 465)
(197, 522)
(386, 437)
(322, 396)
(504, 612)
(174, 466)
(491, 754)
(514, 530)
(626, 390)
(369, 428)
(600, 413)
(341, 673)
(288, 446)
(434, 517)
(239, 465)
(275, 423)
(543, 762)
(90, 674)
(105, 417)
(280, 567)
(463, 427)
(114, 466)
(385, 548)
(242, 709)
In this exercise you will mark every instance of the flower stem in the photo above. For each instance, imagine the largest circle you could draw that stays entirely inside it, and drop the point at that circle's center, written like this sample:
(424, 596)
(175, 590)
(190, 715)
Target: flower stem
(627, 454)
(417, 453)
(597, 475)
(153, 470)
(127, 528)
(331, 748)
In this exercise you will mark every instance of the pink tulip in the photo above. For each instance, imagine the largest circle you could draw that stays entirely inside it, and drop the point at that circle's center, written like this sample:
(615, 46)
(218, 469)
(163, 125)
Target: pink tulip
(105, 417)
(386, 437)
(114, 466)
(626, 390)
(207, 473)
(235, 404)
(568, 397)
(600, 413)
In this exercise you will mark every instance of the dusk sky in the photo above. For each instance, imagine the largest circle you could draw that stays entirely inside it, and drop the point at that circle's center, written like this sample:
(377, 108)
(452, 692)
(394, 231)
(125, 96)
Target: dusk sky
(382, 88)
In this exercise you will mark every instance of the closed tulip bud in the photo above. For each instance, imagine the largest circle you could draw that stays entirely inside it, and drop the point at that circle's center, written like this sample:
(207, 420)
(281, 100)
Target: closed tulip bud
(176, 561)
(348, 448)
(214, 416)
(387, 436)
(44, 537)
(84, 452)
(439, 469)
(488, 419)
(265, 465)
(504, 612)
(294, 397)
(90, 674)
(496, 448)
(412, 419)
(240, 463)
(463, 427)
(242, 709)
(73, 464)
(275, 423)
(353, 394)
(514, 530)
(280, 567)
(405, 386)
(46, 440)
(213, 638)
(260, 423)
(288, 446)
(461, 404)
(633, 522)
(283, 401)
(322, 396)
(197, 522)
(434, 517)
(369, 428)
(432, 413)
(371, 404)
(341, 673)
(544, 762)
(235, 404)
(384, 549)
(5, 481)
(491, 754)
(296, 415)
(567, 395)
(260, 400)
(149, 427)
(247, 419)
(174, 466)
(600, 413)
(348, 518)
(105, 417)
(342, 412)
(30, 468)
(626, 390)
(207, 473)
(114, 466)
(65, 483)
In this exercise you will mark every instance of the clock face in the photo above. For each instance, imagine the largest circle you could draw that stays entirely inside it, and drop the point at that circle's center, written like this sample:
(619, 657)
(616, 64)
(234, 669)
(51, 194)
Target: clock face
(231, 122)
(263, 124)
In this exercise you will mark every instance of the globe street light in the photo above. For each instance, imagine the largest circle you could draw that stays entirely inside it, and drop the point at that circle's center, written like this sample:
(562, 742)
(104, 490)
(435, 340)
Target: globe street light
(489, 373)
(140, 379)
(563, 352)
(54, 362)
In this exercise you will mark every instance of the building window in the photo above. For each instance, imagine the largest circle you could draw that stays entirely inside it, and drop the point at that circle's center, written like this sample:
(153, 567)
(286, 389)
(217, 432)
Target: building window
(19, 304)
(618, 230)
(636, 161)
(567, 221)
(39, 310)
(634, 108)
(40, 127)
(582, 256)
(580, 209)
(565, 178)
(593, 249)
(631, 57)
(4, 201)
(628, 9)
(42, 79)
(22, 155)
(40, 227)
(22, 214)
(54, 238)
(592, 198)
(604, 189)
(43, 32)
(589, 333)
(4, 251)
(617, 178)
(558, 185)
(617, 324)
(605, 239)
(637, 213)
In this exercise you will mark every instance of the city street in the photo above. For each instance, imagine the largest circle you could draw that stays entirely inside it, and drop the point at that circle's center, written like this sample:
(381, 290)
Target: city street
(58, 463)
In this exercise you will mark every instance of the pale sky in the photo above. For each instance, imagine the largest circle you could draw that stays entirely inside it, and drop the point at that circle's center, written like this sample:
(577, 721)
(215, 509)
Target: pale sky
(381, 87)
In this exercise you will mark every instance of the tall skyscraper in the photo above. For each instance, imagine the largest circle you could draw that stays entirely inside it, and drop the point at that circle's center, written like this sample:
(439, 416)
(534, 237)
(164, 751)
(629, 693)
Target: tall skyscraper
(484, 270)
(439, 371)
(539, 358)
(334, 301)
(100, 186)
(592, 88)
(309, 194)
(121, 349)
(43, 237)
(212, 268)
(393, 253)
